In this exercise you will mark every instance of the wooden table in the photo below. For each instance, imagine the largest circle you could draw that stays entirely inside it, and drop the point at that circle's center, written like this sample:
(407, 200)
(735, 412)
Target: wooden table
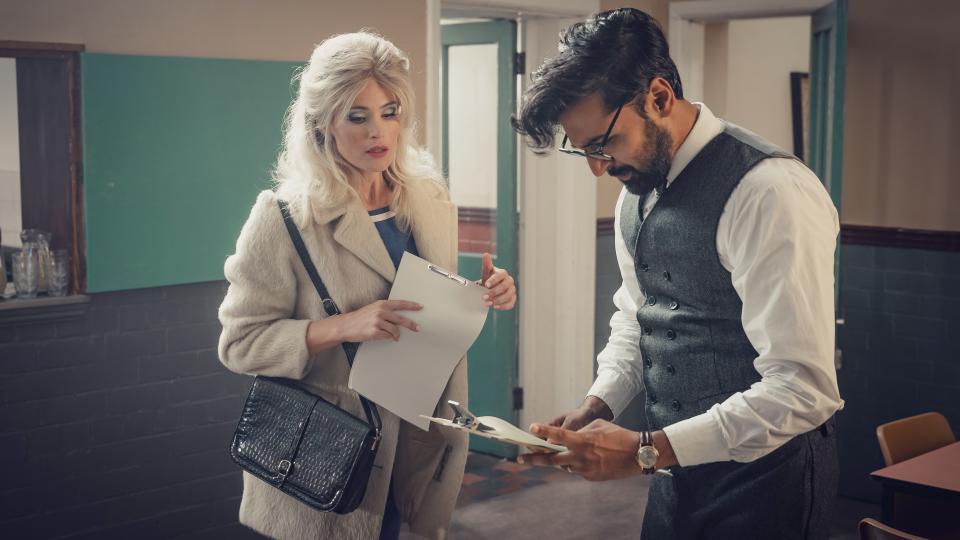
(935, 473)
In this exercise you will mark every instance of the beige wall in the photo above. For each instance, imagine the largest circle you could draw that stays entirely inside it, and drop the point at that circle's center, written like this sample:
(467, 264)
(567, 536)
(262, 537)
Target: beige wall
(247, 29)
(901, 137)
(747, 66)
(608, 189)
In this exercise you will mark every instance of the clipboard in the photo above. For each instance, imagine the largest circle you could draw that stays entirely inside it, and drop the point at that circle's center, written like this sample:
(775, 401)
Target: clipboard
(491, 427)
(408, 376)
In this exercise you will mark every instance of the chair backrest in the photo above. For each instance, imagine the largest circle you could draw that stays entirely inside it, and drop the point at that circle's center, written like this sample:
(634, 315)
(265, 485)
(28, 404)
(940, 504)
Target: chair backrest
(908, 437)
(871, 529)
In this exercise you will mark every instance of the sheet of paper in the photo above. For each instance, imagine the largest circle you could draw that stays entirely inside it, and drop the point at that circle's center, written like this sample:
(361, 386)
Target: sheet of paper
(501, 430)
(408, 376)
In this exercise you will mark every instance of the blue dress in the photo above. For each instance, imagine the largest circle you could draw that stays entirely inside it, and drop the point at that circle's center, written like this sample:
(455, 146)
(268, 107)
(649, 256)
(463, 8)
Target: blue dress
(396, 241)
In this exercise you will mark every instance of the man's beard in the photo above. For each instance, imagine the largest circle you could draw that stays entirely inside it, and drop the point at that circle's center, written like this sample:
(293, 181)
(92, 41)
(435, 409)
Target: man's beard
(653, 174)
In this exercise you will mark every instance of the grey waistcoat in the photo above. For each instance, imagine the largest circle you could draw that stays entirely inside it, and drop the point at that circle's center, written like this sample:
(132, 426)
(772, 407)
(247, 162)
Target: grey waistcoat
(695, 352)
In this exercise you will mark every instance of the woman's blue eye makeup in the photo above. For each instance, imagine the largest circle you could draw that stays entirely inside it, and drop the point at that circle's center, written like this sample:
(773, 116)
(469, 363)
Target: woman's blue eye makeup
(358, 117)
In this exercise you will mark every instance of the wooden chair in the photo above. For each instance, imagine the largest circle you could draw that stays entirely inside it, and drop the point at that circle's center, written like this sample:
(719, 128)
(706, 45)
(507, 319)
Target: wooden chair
(901, 440)
(871, 529)
(909, 437)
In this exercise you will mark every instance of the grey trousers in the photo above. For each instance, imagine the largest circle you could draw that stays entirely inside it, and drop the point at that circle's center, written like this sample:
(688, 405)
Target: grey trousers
(787, 494)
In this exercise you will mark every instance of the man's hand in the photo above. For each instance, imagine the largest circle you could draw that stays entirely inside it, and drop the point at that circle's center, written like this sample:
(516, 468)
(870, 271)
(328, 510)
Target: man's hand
(600, 451)
(591, 409)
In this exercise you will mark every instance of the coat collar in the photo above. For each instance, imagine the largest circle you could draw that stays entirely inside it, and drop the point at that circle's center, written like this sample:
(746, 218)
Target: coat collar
(434, 226)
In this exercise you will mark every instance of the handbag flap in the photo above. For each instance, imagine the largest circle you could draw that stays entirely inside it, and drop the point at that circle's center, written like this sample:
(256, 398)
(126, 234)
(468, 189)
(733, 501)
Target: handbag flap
(299, 442)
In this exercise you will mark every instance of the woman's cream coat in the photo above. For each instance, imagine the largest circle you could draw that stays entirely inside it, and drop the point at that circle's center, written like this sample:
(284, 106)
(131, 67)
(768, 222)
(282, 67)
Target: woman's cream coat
(270, 302)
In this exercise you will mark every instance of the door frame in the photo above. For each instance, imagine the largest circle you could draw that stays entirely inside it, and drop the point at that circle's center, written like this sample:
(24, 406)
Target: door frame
(493, 358)
(686, 30)
(557, 221)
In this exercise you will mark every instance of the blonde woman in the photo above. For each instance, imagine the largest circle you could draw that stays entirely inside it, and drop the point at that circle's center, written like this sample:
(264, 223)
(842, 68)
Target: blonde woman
(361, 194)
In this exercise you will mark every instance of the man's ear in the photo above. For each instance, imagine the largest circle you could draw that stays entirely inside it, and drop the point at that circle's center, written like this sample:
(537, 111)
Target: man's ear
(660, 97)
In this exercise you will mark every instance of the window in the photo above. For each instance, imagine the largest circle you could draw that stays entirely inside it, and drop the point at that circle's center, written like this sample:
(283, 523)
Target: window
(41, 83)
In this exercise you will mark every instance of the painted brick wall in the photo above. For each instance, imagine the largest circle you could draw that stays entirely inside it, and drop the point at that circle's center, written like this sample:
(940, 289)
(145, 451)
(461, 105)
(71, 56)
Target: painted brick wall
(117, 425)
(901, 349)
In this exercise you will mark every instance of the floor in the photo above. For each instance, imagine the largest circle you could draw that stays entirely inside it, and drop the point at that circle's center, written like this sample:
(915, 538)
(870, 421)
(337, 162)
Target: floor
(501, 500)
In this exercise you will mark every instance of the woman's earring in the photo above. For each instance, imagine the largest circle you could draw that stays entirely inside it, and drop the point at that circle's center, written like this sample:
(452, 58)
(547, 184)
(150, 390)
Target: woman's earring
(319, 136)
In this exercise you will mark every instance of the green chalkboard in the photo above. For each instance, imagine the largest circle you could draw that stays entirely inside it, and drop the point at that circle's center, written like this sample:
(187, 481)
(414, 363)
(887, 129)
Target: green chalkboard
(174, 152)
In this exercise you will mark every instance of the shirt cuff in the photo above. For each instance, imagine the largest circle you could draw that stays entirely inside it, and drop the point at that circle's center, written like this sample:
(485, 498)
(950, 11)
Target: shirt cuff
(698, 440)
(614, 390)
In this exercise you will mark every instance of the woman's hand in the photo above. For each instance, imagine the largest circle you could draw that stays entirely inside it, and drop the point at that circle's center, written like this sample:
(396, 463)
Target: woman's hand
(503, 290)
(377, 321)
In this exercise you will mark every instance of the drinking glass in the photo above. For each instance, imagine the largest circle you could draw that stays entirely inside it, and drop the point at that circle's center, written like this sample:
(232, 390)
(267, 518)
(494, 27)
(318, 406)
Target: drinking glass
(58, 273)
(26, 273)
(39, 241)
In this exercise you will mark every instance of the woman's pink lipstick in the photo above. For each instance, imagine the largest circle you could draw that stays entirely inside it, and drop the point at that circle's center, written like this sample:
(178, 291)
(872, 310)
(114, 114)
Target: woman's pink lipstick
(378, 151)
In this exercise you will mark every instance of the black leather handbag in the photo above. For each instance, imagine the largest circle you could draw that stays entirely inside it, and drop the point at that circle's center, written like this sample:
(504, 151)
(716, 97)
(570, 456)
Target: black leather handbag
(300, 443)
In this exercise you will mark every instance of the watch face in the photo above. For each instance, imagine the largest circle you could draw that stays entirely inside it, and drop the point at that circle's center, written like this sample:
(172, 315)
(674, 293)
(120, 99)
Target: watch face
(647, 457)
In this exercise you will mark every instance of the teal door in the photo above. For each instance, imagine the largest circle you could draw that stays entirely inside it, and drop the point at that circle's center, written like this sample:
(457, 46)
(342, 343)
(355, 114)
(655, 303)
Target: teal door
(480, 161)
(828, 53)
(828, 47)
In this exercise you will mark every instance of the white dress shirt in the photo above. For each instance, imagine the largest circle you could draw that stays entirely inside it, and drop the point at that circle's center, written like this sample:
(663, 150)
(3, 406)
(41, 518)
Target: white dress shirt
(777, 238)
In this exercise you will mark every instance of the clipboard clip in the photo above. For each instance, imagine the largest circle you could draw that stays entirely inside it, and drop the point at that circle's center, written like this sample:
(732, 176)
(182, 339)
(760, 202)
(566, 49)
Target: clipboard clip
(449, 275)
(464, 418)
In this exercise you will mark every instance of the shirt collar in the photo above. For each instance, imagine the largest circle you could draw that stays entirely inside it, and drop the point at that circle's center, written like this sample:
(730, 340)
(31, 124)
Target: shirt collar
(706, 127)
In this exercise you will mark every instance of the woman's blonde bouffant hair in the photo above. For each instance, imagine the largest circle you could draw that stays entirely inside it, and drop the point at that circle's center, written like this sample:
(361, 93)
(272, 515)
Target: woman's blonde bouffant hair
(329, 85)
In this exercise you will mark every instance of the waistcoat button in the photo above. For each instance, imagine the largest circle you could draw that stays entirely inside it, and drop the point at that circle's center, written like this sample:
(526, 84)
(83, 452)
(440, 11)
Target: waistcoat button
(644, 266)
(652, 398)
(671, 370)
(652, 300)
(666, 275)
(648, 362)
(647, 330)
(675, 405)
(674, 305)
(671, 334)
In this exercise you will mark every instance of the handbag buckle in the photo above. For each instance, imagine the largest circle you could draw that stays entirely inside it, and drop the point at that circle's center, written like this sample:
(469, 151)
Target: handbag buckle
(284, 468)
(376, 441)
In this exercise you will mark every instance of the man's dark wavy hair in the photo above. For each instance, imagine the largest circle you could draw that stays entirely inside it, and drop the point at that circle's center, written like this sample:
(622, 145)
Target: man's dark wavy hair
(616, 53)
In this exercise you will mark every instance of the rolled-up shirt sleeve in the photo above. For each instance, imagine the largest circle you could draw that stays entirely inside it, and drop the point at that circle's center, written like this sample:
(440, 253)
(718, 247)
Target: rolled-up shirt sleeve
(777, 237)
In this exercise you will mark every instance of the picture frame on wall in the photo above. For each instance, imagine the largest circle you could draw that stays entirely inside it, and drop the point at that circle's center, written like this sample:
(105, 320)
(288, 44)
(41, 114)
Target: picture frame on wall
(800, 111)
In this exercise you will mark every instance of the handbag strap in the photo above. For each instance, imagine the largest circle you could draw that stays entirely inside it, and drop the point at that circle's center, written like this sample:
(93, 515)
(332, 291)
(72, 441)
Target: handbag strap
(350, 348)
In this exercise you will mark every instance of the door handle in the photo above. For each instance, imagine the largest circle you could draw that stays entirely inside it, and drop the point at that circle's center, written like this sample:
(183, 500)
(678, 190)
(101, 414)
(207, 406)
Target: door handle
(837, 353)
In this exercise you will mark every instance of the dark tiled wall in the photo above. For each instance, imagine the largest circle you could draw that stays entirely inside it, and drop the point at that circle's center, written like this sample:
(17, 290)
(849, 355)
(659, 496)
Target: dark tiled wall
(901, 348)
(117, 425)
(608, 281)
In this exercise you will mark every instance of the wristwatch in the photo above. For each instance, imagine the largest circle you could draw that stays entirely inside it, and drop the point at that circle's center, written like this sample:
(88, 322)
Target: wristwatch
(647, 454)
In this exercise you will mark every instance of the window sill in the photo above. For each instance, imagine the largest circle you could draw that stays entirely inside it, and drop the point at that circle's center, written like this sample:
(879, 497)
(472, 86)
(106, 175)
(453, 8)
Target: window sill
(42, 309)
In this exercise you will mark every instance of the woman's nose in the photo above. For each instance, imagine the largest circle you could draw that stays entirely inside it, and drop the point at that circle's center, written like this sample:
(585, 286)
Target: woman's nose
(375, 128)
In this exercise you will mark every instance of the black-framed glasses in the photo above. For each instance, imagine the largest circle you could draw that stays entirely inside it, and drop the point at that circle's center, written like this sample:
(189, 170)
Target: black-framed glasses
(597, 152)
